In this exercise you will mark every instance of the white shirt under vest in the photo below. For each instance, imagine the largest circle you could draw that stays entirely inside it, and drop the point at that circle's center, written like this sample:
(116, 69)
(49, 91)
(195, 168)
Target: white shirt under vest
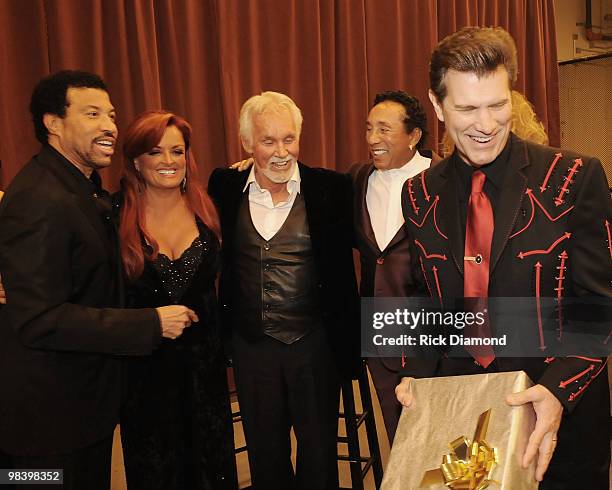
(268, 218)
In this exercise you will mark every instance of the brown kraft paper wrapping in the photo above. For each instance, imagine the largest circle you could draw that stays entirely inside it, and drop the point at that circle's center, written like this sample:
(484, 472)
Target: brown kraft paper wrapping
(447, 408)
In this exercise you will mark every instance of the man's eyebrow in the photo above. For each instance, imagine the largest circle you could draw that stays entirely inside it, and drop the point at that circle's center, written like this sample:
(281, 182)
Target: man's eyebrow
(97, 107)
(381, 123)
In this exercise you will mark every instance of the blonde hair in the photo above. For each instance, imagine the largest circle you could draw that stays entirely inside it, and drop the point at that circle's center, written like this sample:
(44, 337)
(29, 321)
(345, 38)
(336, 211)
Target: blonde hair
(266, 101)
(525, 124)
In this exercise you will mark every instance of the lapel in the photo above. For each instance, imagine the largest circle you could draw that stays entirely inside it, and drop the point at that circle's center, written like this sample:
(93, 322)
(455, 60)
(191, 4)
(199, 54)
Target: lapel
(450, 217)
(316, 200)
(85, 203)
(364, 216)
(510, 199)
(399, 236)
(232, 198)
(365, 221)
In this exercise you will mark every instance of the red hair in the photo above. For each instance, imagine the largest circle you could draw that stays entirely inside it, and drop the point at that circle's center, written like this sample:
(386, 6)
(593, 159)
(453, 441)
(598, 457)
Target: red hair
(142, 135)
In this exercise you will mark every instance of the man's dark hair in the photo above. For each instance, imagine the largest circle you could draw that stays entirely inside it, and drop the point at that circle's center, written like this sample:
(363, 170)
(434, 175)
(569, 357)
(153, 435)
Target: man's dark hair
(49, 96)
(415, 114)
(477, 50)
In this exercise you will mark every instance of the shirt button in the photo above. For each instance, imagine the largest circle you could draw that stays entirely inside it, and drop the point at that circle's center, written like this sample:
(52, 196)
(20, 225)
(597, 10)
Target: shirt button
(380, 261)
(267, 246)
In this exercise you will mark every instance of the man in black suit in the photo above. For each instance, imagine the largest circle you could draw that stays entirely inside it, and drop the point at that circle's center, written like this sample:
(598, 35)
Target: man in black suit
(61, 331)
(289, 295)
(546, 213)
(396, 132)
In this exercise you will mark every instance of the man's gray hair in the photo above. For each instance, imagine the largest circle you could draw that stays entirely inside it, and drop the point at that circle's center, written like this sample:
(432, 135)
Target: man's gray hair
(266, 101)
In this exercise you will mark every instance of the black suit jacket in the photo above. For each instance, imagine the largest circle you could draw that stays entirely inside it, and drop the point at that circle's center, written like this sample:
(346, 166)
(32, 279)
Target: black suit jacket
(60, 381)
(328, 200)
(551, 220)
(541, 215)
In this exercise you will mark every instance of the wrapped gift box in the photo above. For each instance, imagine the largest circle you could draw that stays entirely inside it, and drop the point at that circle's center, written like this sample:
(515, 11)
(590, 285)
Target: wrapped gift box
(447, 416)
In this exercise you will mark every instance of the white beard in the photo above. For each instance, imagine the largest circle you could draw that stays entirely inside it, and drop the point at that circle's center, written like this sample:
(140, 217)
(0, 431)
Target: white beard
(276, 176)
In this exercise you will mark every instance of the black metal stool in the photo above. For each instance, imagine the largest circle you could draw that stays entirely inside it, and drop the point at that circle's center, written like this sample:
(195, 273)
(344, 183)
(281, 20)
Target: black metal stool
(236, 417)
(353, 421)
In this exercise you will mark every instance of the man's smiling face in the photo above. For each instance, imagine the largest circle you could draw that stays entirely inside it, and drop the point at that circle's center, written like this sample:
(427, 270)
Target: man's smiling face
(87, 134)
(477, 113)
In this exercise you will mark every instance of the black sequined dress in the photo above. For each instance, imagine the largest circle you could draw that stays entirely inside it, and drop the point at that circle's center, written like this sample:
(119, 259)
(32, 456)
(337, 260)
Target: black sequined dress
(176, 426)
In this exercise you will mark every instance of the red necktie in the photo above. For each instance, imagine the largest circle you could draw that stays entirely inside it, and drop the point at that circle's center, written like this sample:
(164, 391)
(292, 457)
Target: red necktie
(478, 237)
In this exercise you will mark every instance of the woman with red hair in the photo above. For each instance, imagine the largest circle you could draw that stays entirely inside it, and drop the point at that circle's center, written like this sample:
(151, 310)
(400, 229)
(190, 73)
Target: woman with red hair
(176, 427)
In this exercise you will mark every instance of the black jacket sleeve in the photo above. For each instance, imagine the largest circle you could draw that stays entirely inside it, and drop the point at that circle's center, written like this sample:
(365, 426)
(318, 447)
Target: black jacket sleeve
(40, 255)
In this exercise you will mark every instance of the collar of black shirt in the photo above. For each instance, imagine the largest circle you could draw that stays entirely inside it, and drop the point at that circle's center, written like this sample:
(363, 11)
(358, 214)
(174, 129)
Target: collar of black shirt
(92, 186)
(495, 171)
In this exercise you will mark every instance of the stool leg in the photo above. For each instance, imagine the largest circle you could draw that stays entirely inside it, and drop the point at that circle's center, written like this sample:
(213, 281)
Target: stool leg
(366, 401)
(350, 422)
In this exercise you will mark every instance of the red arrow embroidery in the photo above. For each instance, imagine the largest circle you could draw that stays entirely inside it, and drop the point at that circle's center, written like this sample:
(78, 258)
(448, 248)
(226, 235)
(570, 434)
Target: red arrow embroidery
(529, 193)
(609, 238)
(427, 196)
(563, 384)
(425, 276)
(568, 180)
(535, 199)
(538, 268)
(426, 214)
(429, 256)
(561, 268)
(599, 361)
(415, 208)
(435, 220)
(435, 271)
(565, 236)
(576, 394)
(550, 170)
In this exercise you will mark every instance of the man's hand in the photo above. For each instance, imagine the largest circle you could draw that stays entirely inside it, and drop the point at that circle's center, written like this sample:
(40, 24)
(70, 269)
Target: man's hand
(242, 164)
(543, 439)
(174, 319)
(403, 392)
(2, 293)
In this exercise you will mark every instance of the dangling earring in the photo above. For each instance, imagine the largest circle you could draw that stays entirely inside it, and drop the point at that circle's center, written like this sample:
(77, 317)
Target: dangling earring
(184, 185)
(141, 184)
(411, 147)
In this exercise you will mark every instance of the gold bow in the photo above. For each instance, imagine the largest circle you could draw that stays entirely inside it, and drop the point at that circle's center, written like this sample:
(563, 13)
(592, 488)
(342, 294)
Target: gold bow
(469, 465)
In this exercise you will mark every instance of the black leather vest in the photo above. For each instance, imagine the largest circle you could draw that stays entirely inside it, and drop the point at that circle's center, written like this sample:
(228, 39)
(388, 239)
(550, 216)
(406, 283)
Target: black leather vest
(274, 289)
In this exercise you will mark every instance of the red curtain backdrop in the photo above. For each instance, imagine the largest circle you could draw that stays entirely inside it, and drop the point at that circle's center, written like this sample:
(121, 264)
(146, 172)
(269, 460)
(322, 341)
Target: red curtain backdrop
(204, 58)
